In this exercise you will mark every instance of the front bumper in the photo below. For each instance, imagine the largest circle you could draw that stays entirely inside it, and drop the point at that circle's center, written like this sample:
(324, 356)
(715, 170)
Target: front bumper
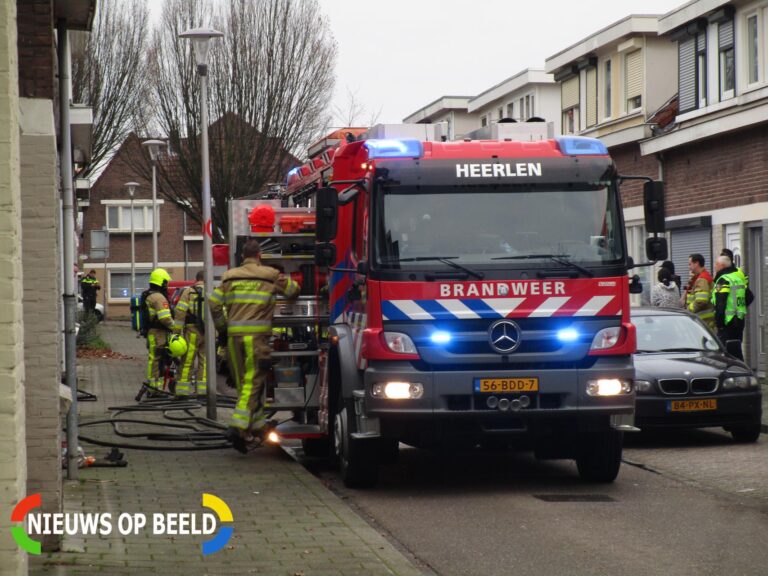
(733, 409)
(451, 394)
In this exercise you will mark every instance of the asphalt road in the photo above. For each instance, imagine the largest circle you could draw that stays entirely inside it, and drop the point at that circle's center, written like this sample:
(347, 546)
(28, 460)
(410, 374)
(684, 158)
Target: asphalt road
(690, 503)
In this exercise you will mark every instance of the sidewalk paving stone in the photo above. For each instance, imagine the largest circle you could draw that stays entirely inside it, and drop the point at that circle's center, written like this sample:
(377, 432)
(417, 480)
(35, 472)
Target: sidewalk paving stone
(286, 522)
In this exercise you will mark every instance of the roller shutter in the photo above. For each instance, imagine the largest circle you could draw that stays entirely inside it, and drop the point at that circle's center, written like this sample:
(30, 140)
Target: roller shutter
(570, 93)
(691, 241)
(686, 51)
(634, 74)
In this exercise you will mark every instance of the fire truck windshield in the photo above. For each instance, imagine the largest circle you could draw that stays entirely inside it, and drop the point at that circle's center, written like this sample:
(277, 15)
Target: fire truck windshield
(498, 227)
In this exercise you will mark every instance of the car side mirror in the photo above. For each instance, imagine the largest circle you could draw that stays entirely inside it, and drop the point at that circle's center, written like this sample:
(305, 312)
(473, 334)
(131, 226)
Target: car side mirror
(326, 213)
(656, 248)
(653, 205)
(635, 286)
(325, 254)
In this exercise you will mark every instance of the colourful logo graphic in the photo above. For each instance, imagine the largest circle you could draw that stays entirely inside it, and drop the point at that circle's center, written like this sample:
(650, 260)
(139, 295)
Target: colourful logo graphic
(19, 533)
(225, 532)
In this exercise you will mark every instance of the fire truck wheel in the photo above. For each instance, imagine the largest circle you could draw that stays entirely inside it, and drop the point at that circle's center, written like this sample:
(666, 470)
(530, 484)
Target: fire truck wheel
(599, 456)
(358, 461)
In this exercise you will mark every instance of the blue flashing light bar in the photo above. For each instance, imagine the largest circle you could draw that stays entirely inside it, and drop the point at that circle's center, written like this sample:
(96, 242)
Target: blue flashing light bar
(567, 335)
(394, 148)
(581, 146)
(294, 171)
(440, 337)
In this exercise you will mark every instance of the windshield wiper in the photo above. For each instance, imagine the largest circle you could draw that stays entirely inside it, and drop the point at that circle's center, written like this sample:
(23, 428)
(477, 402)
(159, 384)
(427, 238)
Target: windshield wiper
(445, 260)
(561, 259)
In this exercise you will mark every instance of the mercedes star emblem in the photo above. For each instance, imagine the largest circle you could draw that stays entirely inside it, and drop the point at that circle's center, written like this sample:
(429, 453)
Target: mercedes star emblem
(504, 336)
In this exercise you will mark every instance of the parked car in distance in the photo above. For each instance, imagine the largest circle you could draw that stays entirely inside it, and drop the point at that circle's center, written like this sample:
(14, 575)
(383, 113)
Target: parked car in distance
(685, 378)
(99, 311)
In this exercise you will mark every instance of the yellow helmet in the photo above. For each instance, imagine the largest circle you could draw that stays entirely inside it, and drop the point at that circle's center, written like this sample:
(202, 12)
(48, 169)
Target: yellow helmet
(177, 346)
(159, 277)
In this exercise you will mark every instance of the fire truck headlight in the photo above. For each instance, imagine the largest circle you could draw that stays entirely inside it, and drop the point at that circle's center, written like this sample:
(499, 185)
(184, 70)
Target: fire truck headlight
(606, 338)
(397, 390)
(440, 337)
(608, 387)
(400, 343)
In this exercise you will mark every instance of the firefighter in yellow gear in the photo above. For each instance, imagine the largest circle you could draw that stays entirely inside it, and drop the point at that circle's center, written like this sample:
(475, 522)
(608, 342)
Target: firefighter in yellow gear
(161, 324)
(188, 320)
(242, 306)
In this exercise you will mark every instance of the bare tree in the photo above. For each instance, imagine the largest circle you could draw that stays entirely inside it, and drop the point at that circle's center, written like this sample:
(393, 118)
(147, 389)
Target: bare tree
(354, 113)
(109, 73)
(270, 79)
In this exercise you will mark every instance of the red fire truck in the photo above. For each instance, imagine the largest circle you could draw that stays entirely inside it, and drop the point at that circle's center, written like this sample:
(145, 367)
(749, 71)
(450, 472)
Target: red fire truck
(478, 294)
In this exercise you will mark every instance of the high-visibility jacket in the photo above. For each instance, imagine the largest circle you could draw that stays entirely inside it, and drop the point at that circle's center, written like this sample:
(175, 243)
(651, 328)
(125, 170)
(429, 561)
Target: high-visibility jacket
(160, 315)
(89, 286)
(698, 298)
(248, 293)
(733, 286)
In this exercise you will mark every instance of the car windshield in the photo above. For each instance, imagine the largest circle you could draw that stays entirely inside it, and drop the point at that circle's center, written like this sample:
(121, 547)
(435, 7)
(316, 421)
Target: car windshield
(672, 333)
(498, 226)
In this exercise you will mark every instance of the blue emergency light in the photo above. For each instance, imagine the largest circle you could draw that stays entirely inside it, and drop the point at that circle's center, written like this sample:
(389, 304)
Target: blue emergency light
(294, 171)
(393, 148)
(567, 335)
(580, 146)
(440, 337)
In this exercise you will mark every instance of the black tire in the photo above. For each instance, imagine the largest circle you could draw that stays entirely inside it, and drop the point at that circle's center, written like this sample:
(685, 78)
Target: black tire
(745, 434)
(599, 456)
(316, 447)
(358, 461)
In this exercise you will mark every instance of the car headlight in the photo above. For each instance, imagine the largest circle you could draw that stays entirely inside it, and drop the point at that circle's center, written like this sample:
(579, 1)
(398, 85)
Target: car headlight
(400, 343)
(608, 387)
(744, 382)
(643, 386)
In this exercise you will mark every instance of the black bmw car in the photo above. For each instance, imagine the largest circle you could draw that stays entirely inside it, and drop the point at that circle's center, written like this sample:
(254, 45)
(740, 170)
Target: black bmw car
(684, 377)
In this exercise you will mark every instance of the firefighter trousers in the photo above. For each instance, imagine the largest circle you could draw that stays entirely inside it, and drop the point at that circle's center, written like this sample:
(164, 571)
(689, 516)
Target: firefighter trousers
(246, 358)
(193, 364)
(156, 341)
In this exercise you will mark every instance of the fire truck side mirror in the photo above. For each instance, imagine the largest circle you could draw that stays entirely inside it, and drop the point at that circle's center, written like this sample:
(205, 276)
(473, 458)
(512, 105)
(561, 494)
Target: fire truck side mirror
(653, 203)
(656, 248)
(326, 212)
(325, 254)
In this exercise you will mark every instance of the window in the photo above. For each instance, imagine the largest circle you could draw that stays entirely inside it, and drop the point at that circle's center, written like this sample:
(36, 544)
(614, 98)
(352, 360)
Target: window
(607, 90)
(701, 68)
(120, 284)
(727, 62)
(753, 50)
(119, 217)
(511, 110)
(533, 109)
(570, 104)
(591, 103)
(500, 112)
(527, 107)
(521, 109)
(633, 80)
(483, 121)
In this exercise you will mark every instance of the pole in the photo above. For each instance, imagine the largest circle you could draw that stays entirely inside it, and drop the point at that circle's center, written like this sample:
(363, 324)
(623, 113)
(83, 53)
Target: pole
(210, 344)
(133, 254)
(154, 214)
(68, 224)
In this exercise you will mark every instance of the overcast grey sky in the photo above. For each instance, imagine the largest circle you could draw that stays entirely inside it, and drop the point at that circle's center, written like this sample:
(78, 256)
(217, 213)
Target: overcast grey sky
(399, 55)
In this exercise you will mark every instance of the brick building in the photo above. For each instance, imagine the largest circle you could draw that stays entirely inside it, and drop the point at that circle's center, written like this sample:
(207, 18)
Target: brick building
(180, 240)
(31, 324)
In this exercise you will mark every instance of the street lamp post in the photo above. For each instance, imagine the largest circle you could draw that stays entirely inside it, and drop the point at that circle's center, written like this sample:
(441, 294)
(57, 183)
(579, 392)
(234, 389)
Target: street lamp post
(131, 187)
(154, 154)
(200, 42)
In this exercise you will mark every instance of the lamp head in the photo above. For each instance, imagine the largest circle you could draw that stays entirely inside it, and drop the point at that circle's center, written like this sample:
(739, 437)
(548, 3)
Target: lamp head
(154, 148)
(200, 42)
(131, 187)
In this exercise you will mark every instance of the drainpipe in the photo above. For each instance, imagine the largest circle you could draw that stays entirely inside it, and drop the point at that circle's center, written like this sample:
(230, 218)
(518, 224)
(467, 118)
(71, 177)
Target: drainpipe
(68, 225)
